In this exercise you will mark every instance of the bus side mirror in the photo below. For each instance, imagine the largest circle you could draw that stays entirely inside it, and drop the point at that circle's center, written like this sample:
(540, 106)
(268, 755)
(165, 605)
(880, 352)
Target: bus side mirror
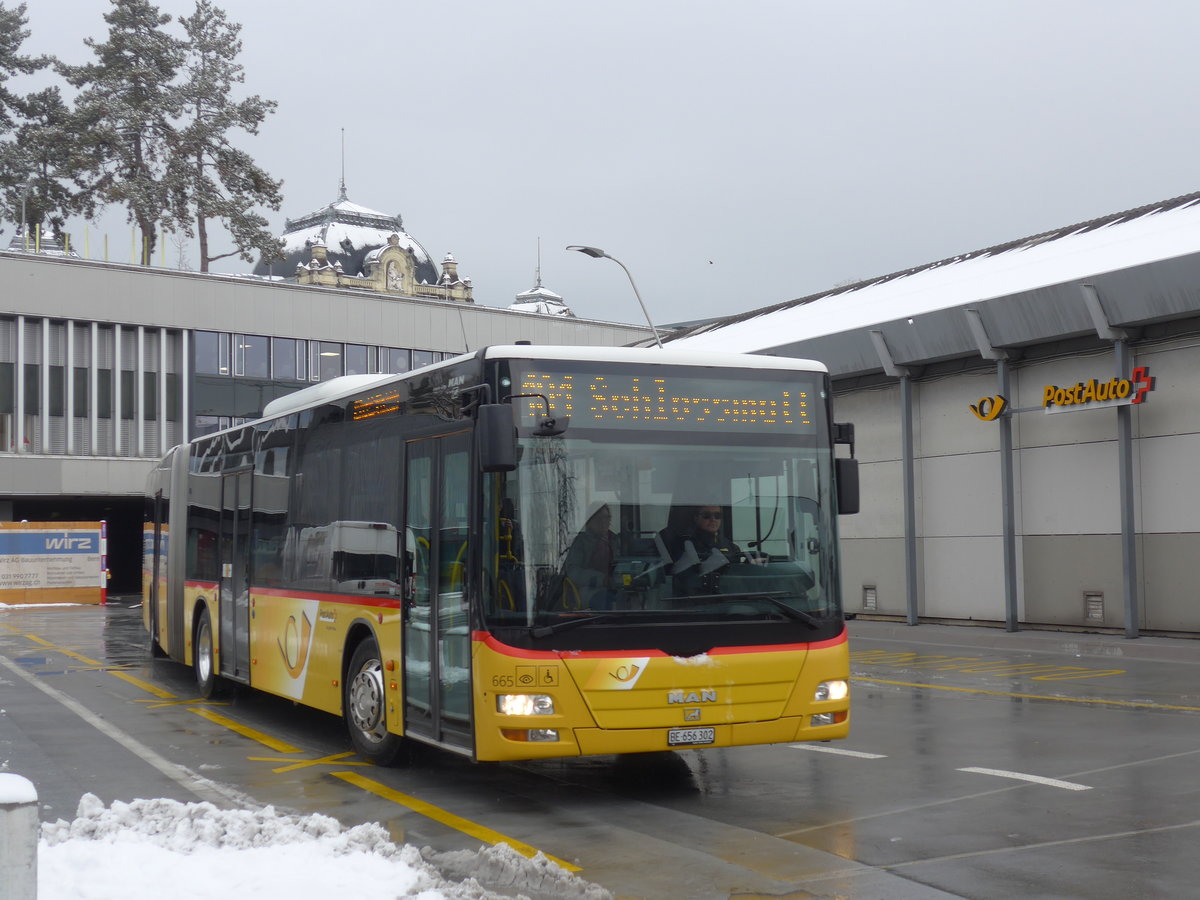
(846, 473)
(496, 436)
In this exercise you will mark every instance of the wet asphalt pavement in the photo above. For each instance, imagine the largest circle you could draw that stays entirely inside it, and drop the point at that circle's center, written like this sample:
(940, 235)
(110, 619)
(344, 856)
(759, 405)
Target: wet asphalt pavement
(981, 764)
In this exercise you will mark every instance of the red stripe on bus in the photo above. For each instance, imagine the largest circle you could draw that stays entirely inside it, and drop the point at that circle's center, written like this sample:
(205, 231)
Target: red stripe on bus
(491, 643)
(774, 648)
(349, 599)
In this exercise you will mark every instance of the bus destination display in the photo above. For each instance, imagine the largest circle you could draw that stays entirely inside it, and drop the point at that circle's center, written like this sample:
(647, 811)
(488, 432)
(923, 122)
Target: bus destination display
(670, 401)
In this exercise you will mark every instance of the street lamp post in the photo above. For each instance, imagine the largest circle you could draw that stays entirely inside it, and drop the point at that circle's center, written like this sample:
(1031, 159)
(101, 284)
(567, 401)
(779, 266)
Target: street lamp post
(597, 253)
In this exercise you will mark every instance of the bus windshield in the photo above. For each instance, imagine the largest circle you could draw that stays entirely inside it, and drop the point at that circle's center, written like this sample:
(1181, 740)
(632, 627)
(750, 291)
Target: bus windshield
(618, 522)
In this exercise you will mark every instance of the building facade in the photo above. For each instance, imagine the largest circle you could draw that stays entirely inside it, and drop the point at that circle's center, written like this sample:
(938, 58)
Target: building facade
(104, 367)
(1026, 424)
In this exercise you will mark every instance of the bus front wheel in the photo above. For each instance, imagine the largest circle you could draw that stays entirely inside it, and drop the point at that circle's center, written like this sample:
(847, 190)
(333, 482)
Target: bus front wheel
(364, 705)
(203, 657)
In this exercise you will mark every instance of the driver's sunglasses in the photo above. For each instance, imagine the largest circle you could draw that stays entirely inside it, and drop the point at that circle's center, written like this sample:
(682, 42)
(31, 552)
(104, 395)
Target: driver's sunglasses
(711, 515)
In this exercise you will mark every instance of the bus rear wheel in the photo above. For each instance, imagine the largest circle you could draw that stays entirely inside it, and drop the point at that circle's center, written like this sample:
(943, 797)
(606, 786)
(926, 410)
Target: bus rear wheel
(203, 656)
(364, 705)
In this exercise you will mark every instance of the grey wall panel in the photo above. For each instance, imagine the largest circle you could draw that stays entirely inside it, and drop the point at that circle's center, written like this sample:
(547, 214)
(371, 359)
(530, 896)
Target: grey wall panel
(159, 297)
(30, 476)
(964, 578)
(882, 512)
(1070, 490)
(1168, 472)
(1172, 407)
(876, 417)
(1171, 588)
(946, 422)
(1060, 569)
(879, 563)
(1039, 429)
(960, 496)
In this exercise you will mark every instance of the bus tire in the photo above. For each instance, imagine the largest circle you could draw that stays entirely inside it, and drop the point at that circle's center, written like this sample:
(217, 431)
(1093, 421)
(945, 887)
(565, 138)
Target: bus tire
(204, 660)
(364, 705)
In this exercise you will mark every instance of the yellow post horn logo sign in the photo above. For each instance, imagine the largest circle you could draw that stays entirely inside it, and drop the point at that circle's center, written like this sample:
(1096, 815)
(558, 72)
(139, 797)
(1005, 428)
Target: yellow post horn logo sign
(989, 409)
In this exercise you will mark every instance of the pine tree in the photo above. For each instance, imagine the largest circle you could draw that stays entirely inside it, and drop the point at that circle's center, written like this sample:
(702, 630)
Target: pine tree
(123, 116)
(17, 172)
(12, 62)
(42, 151)
(211, 178)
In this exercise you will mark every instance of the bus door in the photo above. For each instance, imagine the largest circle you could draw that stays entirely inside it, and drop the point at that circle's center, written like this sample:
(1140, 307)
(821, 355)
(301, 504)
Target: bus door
(235, 575)
(437, 633)
(158, 567)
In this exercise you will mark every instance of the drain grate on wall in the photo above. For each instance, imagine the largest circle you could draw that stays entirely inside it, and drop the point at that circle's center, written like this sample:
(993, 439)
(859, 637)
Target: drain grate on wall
(1093, 606)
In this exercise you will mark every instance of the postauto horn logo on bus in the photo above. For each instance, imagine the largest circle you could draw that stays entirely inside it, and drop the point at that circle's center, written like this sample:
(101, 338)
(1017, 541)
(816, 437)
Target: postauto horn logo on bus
(1112, 392)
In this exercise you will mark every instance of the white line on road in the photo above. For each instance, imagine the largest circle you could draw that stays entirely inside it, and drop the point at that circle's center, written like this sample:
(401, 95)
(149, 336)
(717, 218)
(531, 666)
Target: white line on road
(1036, 779)
(202, 787)
(839, 751)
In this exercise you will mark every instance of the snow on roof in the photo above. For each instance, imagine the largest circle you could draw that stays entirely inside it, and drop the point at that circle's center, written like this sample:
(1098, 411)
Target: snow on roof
(543, 308)
(539, 293)
(1145, 235)
(338, 236)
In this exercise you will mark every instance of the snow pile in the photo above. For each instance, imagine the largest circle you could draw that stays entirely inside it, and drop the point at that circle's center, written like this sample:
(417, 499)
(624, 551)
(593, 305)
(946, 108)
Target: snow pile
(195, 851)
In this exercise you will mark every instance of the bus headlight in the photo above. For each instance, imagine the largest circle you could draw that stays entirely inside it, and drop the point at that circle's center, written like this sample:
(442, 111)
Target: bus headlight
(832, 690)
(525, 704)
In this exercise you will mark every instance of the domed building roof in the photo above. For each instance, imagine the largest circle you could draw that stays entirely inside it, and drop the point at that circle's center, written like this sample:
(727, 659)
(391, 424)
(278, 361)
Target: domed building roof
(541, 300)
(349, 233)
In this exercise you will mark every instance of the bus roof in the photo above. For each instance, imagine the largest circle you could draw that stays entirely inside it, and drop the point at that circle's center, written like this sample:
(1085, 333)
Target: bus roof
(654, 356)
(346, 385)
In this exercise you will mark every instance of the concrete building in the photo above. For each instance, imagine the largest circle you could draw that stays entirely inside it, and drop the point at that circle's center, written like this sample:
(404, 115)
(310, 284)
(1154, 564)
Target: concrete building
(1027, 424)
(104, 367)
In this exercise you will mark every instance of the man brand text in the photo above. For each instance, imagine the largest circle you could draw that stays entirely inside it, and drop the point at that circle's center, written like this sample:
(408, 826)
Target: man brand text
(69, 543)
(705, 696)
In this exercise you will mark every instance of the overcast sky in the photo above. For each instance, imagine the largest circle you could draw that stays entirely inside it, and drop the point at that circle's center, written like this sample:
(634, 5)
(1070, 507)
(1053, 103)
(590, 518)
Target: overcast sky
(731, 155)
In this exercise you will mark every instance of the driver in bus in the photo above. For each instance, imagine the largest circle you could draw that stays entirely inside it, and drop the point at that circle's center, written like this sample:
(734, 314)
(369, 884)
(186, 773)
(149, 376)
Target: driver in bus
(699, 553)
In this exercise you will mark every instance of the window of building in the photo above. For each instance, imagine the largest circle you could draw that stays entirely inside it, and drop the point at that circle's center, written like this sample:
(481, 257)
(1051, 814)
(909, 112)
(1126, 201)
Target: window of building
(393, 361)
(356, 359)
(327, 362)
(212, 352)
(289, 359)
(423, 358)
(253, 355)
(81, 392)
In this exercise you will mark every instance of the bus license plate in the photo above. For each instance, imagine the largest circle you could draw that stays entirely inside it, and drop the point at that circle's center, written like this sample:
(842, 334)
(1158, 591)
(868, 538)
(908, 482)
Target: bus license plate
(680, 736)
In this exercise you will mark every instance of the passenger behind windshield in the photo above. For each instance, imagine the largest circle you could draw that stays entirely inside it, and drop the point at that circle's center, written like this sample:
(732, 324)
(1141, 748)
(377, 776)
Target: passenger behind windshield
(589, 563)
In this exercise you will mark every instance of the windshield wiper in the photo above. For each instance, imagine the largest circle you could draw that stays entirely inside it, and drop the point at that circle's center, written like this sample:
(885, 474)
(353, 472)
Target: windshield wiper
(790, 612)
(541, 631)
(798, 614)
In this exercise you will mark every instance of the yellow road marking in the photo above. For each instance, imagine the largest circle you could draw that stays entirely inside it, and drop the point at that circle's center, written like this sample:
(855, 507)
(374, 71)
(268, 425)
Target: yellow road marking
(63, 650)
(244, 730)
(339, 758)
(466, 826)
(172, 700)
(97, 666)
(1133, 704)
(144, 685)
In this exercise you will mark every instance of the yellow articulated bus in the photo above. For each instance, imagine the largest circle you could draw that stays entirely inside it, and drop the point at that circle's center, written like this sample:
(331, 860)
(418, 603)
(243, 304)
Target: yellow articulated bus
(524, 552)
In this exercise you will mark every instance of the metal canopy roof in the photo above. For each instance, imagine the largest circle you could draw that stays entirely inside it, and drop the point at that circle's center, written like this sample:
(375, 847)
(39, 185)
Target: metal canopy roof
(1030, 294)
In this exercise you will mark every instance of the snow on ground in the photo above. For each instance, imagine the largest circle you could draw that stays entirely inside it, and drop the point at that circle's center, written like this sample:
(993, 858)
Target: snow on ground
(194, 851)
